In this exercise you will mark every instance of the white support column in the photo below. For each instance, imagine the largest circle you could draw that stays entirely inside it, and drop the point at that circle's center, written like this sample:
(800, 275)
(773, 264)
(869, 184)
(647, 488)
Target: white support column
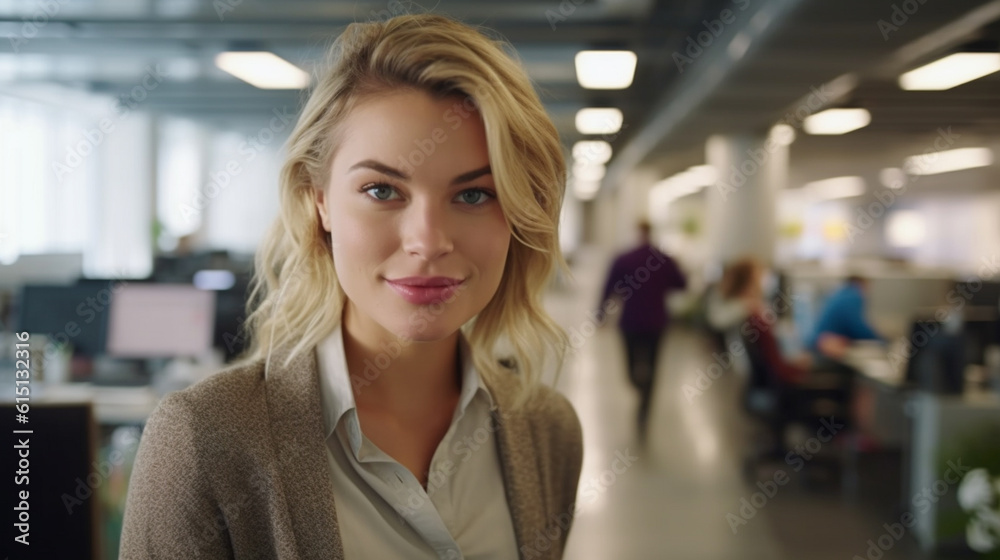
(742, 205)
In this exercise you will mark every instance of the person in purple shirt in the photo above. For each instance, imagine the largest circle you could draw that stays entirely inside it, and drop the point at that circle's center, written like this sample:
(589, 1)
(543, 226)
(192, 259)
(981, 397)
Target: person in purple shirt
(640, 279)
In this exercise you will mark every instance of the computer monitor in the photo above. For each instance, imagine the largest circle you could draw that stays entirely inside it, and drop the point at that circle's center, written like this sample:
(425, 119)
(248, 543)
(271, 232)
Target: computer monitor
(161, 321)
(76, 315)
(938, 358)
(230, 314)
(979, 293)
(982, 317)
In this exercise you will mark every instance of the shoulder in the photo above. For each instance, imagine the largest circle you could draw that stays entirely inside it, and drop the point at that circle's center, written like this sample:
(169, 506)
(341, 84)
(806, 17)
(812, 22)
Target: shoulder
(548, 417)
(542, 405)
(234, 384)
(847, 294)
(195, 448)
(548, 408)
(215, 408)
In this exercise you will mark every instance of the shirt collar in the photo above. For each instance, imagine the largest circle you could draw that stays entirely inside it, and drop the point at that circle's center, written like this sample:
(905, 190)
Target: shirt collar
(335, 385)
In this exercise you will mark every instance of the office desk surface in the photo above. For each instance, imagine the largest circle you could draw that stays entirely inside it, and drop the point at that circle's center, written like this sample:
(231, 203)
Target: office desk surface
(112, 405)
(873, 362)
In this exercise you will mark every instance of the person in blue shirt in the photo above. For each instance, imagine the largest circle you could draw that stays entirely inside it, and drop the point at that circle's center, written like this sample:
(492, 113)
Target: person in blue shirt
(842, 320)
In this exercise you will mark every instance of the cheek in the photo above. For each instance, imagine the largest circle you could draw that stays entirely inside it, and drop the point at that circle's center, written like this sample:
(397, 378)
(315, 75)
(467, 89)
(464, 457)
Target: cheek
(493, 249)
(359, 236)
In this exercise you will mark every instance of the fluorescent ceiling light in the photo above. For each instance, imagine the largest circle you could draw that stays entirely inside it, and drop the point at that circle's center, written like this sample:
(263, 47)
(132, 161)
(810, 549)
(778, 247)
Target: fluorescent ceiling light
(263, 69)
(599, 121)
(836, 187)
(663, 193)
(586, 190)
(948, 160)
(837, 121)
(950, 71)
(594, 151)
(892, 177)
(679, 185)
(605, 69)
(906, 228)
(586, 171)
(700, 175)
(783, 134)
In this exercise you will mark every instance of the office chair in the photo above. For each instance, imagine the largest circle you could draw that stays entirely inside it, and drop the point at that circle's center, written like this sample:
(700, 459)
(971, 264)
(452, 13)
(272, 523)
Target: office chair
(777, 405)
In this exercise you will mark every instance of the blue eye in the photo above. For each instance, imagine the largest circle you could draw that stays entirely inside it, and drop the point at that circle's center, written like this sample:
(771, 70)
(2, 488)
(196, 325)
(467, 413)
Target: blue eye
(379, 191)
(476, 197)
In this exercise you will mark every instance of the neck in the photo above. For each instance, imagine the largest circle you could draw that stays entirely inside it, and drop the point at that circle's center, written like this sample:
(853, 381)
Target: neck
(398, 375)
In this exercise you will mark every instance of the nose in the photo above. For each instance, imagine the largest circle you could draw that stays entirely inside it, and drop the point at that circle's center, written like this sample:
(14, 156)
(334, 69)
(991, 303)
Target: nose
(426, 231)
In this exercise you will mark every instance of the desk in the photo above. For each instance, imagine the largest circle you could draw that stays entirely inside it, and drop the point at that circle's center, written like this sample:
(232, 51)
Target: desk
(880, 399)
(923, 424)
(939, 421)
(112, 405)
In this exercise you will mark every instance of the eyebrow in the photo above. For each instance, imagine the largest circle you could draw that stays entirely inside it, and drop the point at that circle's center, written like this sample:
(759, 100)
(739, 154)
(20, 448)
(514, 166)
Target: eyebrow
(383, 168)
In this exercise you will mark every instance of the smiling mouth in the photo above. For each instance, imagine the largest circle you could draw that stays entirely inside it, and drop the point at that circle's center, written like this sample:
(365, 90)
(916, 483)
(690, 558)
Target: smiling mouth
(426, 281)
(425, 291)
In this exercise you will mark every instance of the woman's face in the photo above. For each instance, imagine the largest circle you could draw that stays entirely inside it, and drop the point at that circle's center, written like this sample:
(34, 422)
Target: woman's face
(411, 201)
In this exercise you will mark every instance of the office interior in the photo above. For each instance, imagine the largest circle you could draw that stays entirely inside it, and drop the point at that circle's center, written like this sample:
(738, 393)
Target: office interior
(138, 173)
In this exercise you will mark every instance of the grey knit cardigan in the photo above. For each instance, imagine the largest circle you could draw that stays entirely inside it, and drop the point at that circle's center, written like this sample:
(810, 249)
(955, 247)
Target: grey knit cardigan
(235, 466)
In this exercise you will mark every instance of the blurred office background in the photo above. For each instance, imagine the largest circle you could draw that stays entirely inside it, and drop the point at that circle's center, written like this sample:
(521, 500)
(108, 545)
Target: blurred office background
(137, 176)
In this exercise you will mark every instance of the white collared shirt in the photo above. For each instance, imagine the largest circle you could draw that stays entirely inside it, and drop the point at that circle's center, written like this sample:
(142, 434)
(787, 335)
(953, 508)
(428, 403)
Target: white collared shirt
(382, 510)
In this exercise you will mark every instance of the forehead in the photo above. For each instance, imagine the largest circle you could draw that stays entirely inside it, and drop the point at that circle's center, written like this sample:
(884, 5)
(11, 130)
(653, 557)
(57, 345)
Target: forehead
(414, 128)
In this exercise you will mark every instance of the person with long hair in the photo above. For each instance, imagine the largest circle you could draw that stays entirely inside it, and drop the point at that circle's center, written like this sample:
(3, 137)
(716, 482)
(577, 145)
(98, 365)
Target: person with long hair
(744, 283)
(390, 403)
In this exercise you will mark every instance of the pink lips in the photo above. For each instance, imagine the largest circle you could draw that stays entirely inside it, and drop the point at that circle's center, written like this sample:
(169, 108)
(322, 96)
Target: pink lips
(424, 290)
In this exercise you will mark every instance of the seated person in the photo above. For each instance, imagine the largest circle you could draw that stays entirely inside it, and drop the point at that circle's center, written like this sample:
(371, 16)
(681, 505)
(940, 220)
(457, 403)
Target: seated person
(778, 388)
(725, 309)
(746, 286)
(842, 320)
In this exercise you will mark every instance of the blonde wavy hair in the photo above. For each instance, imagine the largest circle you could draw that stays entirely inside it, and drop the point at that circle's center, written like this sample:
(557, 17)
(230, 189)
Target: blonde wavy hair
(296, 299)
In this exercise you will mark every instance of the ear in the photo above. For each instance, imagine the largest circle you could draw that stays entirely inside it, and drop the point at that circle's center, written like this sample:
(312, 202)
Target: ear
(319, 196)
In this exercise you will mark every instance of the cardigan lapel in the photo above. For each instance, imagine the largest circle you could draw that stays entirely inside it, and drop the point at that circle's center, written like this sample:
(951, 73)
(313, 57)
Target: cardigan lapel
(296, 420)
(515, 443)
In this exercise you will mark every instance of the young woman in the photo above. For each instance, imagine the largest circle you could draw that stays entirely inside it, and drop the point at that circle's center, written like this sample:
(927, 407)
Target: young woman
(390, 404)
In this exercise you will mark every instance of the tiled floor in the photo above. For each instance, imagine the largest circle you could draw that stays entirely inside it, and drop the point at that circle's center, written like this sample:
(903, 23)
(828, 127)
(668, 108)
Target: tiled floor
(673, 501)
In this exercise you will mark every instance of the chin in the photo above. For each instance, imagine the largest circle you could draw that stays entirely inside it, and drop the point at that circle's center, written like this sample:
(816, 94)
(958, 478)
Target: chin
(430, 334)
(422, 329)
